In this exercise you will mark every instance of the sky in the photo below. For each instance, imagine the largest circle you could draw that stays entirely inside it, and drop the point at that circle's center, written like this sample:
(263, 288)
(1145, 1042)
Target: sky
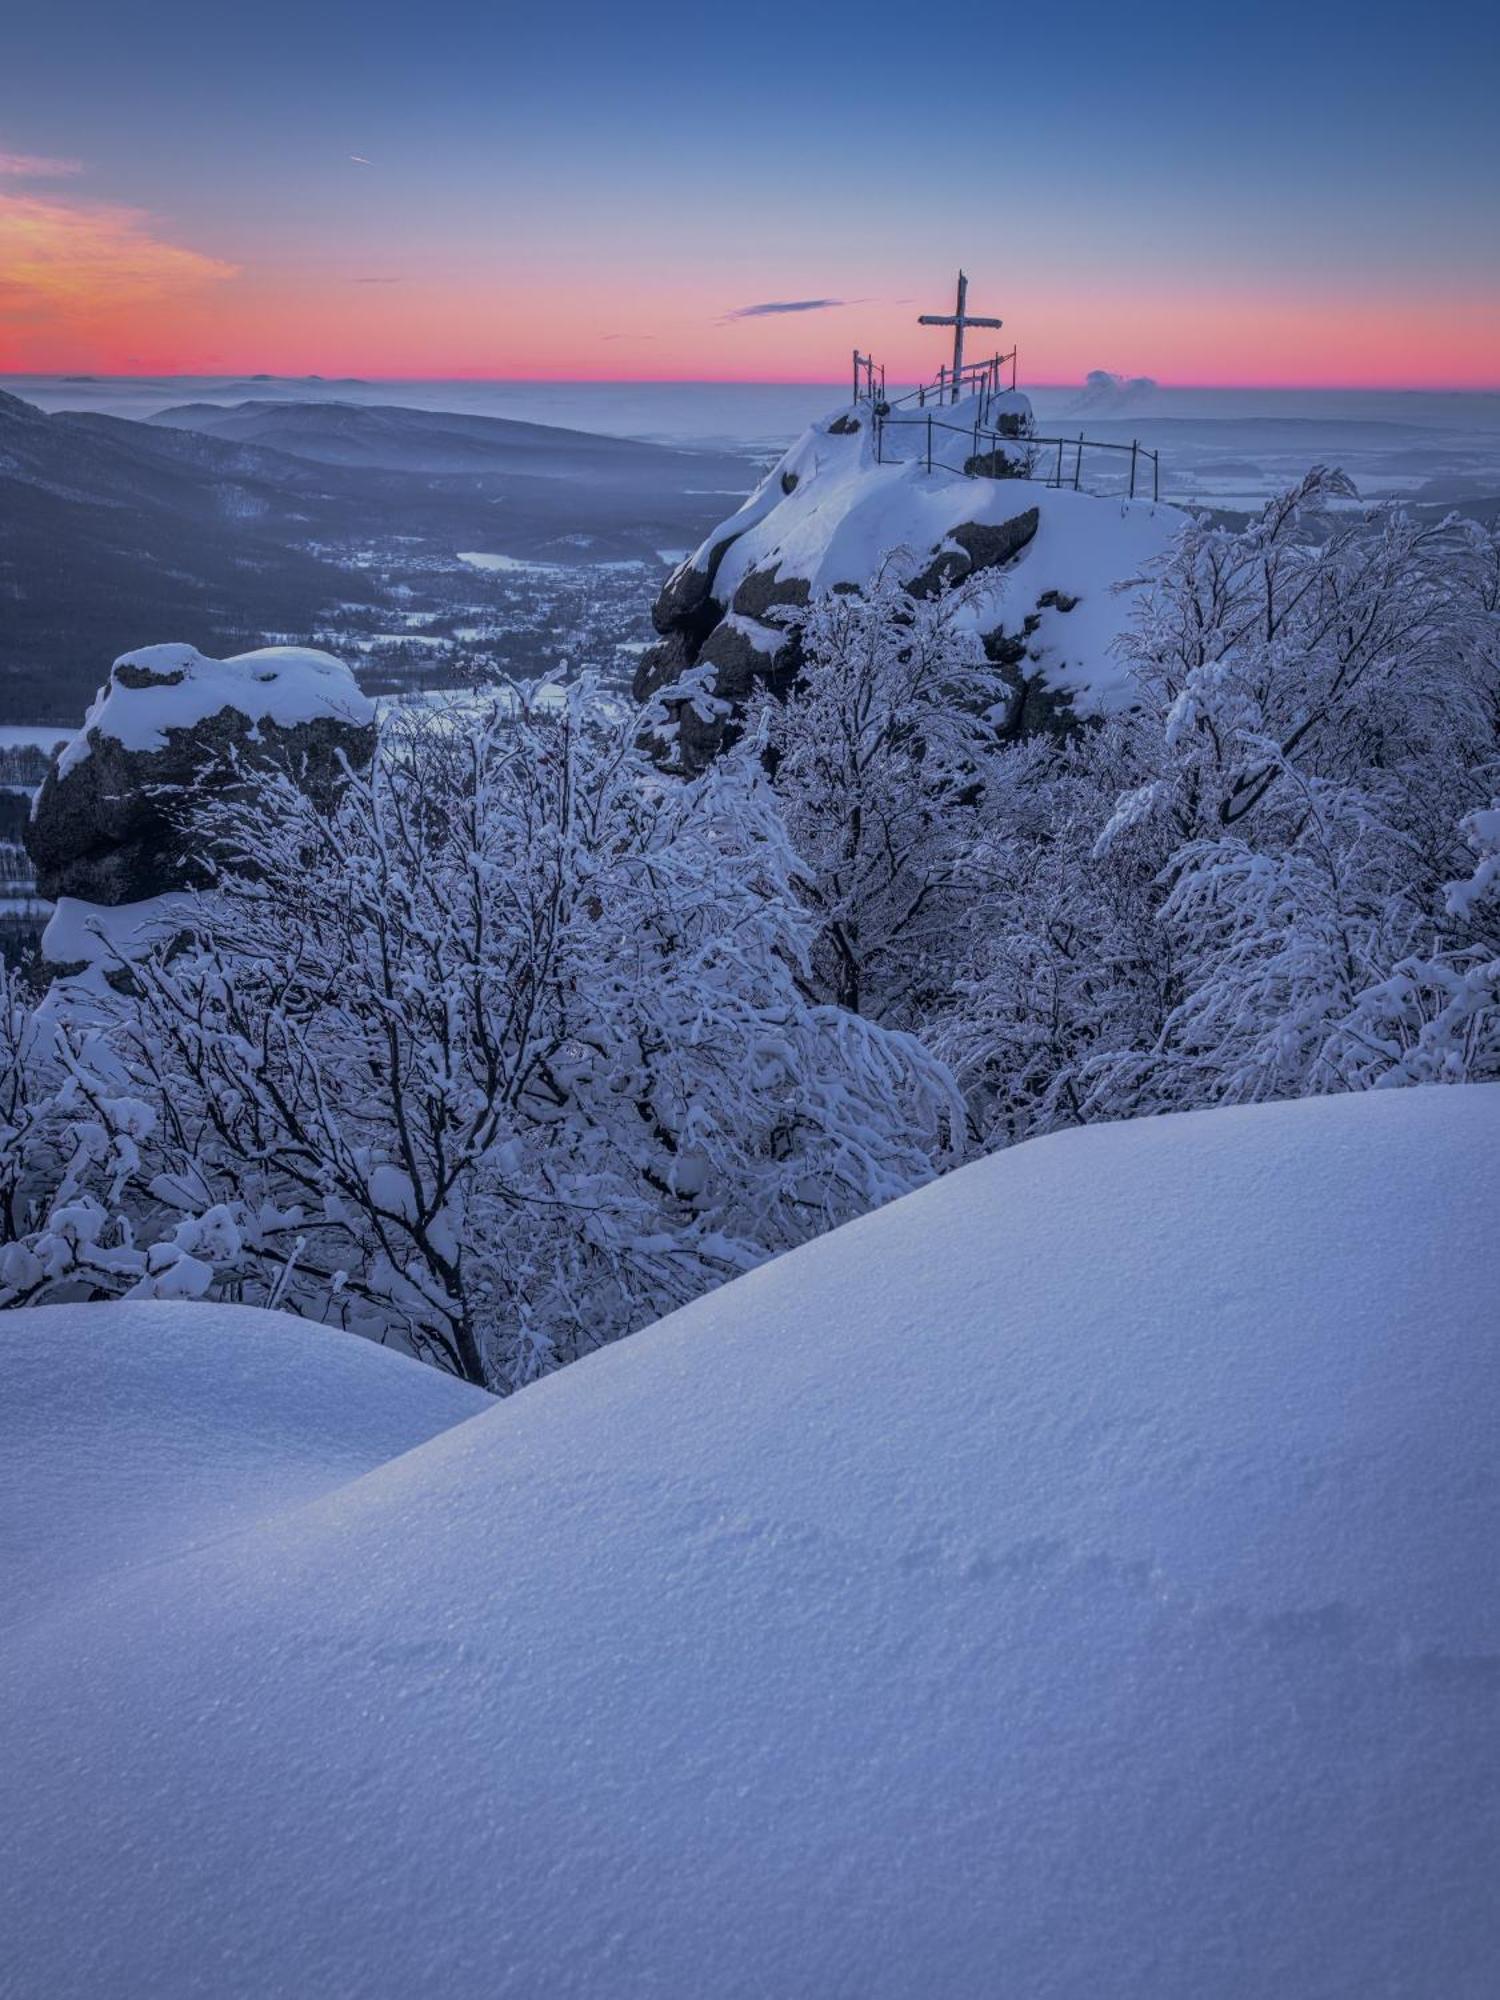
(1272, 195)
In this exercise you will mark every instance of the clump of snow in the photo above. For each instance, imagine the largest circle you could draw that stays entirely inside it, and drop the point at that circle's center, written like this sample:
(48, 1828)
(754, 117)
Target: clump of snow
(160, 688)
(1075, 1579)
(98, 937)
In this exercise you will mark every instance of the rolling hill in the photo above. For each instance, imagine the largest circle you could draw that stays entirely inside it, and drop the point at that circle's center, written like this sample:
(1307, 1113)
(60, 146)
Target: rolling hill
(116, 533)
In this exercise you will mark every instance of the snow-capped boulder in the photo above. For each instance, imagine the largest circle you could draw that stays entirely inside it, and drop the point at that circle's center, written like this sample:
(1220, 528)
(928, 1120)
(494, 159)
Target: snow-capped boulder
(170, 722)
(836, 505)
(1075, 1579)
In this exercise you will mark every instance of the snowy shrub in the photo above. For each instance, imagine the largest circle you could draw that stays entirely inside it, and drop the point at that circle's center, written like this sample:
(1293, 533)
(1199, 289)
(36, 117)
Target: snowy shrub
(509, 1053)
(879, 755)
(525, 1043)
(77, 1218)
(1239, 889)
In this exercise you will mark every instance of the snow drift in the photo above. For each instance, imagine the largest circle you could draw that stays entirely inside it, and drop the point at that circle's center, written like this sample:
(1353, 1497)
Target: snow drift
(1075, 1579)
(134, 1432)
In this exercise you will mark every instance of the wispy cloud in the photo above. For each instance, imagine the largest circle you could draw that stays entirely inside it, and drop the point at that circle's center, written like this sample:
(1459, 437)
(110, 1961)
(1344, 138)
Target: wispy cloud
(627, 336)
(36, 167)
(768, 307)
(375, 281)
(360, 160)
(69, 270)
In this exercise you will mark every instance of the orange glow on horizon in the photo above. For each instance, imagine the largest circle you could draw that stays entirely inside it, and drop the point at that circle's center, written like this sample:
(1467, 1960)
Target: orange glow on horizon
(96, 287)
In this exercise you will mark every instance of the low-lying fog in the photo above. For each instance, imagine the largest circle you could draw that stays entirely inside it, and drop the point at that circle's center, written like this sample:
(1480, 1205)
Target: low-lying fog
(1222, 447)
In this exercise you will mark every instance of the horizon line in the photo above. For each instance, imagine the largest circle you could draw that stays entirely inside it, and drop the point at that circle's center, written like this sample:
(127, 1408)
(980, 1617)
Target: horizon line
(80, 377)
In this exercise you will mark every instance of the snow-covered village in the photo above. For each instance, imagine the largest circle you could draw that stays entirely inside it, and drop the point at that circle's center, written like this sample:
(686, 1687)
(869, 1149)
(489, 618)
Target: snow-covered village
(749, 1027)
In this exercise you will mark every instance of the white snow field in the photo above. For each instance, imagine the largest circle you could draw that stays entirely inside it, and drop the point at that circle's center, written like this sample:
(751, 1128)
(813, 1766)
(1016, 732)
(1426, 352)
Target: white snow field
(1079, 1579)
(130, 1433)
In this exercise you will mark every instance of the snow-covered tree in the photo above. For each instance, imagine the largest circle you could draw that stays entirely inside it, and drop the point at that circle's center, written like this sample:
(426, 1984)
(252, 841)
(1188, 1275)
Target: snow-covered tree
(1193, 907)
(1435, 1018)
(507, 1054)
(77, 1217)
(881, 753)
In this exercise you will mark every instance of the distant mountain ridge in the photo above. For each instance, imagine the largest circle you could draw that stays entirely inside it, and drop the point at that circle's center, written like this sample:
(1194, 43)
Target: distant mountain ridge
(116, 533)
(394, 438)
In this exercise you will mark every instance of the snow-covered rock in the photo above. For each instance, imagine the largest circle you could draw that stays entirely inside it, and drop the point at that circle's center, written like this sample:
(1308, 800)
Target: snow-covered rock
(1077, 1578)
(834, 507)
(170, 722)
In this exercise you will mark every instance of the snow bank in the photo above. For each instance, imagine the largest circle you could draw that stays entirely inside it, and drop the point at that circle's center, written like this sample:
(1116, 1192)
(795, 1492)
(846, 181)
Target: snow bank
(1076, 1579)
(130, 1433)
(160, 688)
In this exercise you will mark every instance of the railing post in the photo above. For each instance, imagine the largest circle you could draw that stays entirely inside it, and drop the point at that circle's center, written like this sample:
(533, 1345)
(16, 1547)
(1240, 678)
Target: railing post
(1078, 466)
(1058, 481)
(929, 440)
(1135, 446)
(1156, 475)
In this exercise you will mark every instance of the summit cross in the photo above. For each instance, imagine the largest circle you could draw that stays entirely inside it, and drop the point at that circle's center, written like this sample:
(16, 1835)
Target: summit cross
(958, 319)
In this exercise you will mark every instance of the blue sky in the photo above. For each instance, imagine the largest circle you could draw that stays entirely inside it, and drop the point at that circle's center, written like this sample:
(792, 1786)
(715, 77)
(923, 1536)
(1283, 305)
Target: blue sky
(536, 175)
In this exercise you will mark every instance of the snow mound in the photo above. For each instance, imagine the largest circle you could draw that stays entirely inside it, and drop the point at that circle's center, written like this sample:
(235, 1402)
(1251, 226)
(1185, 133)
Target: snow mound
(129, 1433)
(160, 688)
(1076, 1579)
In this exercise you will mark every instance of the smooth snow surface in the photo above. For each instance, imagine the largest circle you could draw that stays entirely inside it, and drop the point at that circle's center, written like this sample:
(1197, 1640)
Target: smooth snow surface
(1078, 1579)
(129, 1433)
(284, 685)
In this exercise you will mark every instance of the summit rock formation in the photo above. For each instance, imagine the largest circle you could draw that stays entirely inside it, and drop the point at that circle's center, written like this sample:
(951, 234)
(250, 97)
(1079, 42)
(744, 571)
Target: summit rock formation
(964, 497)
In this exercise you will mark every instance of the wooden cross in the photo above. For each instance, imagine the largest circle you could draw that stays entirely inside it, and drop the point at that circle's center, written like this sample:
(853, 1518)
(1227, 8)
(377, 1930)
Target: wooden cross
(958, 319)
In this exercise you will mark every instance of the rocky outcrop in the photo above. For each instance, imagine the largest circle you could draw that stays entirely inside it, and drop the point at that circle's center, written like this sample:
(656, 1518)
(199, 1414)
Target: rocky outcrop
(1048, 568)
(170, 726)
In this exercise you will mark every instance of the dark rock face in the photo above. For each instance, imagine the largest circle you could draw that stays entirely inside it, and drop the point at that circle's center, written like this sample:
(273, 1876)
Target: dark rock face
(997, 465)
(690, 614)
(110, 830)
(685, 599)
(1035, 708)
(988, 547)
(738, 662)
(662, 664)
(764, 589)
(946, 567)
(981, 546)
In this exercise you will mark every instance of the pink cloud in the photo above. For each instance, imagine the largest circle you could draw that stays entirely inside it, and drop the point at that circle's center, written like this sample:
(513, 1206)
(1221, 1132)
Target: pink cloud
(77, 277)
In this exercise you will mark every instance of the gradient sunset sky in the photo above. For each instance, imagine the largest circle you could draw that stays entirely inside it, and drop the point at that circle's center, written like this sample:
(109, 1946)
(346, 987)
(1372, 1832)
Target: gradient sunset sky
(1259, 194)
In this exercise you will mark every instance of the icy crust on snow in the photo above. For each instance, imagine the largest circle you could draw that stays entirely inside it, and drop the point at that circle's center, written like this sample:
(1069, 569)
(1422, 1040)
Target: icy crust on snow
(845, 513)
(1076, 1579)
(131, 1433)
(160, 688)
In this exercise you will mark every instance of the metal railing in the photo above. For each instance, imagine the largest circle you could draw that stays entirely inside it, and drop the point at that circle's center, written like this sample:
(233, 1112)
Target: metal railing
(869, 379)
(1032, 456)
(980, 378)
